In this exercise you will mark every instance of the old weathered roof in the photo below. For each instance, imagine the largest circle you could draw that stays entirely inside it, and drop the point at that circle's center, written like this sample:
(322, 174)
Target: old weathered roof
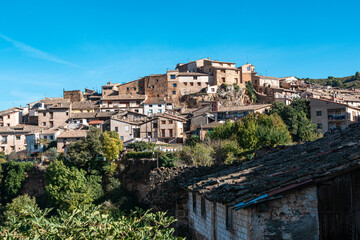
(84, 115)
(73, 134)
(10, 110)
(244, 108)
(280, 170)
(83, 105)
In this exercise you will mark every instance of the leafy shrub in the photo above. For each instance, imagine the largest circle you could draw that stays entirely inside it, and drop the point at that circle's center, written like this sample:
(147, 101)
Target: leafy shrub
(89, 223)
(198, 155)
(17, 208)
(168, 159)
(141, 146)
(139, 155)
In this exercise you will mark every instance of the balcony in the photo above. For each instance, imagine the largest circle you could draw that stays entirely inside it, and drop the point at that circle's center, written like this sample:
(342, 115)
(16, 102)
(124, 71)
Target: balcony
(333, 117)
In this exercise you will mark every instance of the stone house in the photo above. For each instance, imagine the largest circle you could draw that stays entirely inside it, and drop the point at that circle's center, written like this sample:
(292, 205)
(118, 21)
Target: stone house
(69, 136)
(330, 115)
(190, 82)
(132, 87)
(11, 117)
(38, 139)
(237, 112)
(83, 107)
(247, 72)
(83, 118)
(110, 89)
(155, 105)
(74, 95)
(122, 102)
(261, 82)
(13, 139)
(54, 113)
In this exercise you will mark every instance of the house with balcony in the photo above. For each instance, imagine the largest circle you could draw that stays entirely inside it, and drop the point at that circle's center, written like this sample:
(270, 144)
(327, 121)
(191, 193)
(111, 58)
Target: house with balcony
(329, 115)
(123, 102)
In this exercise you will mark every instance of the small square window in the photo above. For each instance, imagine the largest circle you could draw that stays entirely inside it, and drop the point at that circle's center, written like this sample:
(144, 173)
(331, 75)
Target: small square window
(150, 105)
(319, 126)
(159, 111)
(191, 84)
(17, 137)
(318, 113)
(172, 76)
(195, 77)
(199, 84)
(170, 122)
(122, 138)
(163, 122)
(173, 92)
(150, 111)
(126, 128)
(159, 105)
(174, 85)
(116, 129)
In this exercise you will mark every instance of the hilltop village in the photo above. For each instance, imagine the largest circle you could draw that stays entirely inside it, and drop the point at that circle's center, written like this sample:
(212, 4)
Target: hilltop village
(303, 190)
(168, 108)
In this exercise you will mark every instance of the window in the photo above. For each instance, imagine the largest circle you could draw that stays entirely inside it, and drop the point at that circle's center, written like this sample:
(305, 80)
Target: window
(223, 71)
(195, 77)
(199, 84)
(116, 129)
(126, 128)
(194, 202)
(185, 83)
(170, 122)
(159, 105)
(163, 132)
(163, 122)
(51, 124)
(155, 125)
(223, 79)
(128, 89)
(4, 139)
(318, 113)
(174, 85)
(51, 137)
(172, 76)
(173, 92)
(135, 88)
(67, 114)
(36, 146)
(248, 68)
(229, 218)
(150, 105)
(203, 207)
(236, 80)
(159, 111)
(319, 126)
(191, 84)
(170, 132)
(150, 111)
(44, 114)
(81, 121)
(122, 138)
(12, 148)
(18, 137)
(44, 123)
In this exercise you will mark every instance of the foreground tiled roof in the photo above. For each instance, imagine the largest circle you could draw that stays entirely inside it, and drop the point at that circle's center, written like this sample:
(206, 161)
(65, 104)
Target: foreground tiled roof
(280, 170)
(244, 108)
(85, 115)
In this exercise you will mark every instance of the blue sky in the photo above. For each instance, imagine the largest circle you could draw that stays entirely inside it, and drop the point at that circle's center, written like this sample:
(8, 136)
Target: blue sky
(46, 47)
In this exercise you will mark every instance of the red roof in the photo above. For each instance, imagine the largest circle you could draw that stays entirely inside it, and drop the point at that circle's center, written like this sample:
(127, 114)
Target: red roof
(96, 122)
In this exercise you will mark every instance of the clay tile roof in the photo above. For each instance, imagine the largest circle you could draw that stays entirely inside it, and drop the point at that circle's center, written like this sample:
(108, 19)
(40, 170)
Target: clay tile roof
(156, 100)
(94, 122)
(279, 170)
(83, 115)
(10, 110)
(125, 97)
(244, 108)
(83, 105)
(267, 77)
(73, 134)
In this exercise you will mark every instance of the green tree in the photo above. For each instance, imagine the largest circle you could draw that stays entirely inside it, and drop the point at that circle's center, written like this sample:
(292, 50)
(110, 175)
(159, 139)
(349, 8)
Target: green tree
(69, 188)
(251, 90)
(13, 176)
(167, 159)
(111, 145)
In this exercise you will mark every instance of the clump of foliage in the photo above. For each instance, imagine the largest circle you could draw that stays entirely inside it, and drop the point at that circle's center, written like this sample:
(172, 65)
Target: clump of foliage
(111, 145)
(13, 176)
(50, 154)
(140, 146)
(88, 223)
(69, 187)
(340, 82)
(18, 207)
(251, 90)
(253, 132)
(2, 157)
(193, 140)
(297, 119)
(236, 87)
(139, 155)
(168, 159)
(199, 155)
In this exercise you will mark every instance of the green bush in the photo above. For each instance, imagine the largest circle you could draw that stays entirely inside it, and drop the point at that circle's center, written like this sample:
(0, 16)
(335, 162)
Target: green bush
(141, 146)
(168, 159)
(17, 208)
(89, 223)
(139, 155)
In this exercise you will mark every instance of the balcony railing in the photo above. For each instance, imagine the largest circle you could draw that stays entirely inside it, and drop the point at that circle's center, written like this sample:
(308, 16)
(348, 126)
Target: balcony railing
(336, 117)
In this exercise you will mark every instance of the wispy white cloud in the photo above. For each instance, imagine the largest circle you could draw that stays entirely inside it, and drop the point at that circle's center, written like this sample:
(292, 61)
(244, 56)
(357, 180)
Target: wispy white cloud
(36, 53)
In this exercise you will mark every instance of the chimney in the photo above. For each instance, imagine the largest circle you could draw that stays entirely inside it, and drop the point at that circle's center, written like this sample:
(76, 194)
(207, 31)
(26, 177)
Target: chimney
(215, 106)
(109, 83)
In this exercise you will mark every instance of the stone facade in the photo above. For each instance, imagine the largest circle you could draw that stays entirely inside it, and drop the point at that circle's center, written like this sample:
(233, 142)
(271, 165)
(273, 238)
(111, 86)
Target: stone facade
(292, 217)
(74, 95)
(10, 117)
(133, 87)
(54, 118)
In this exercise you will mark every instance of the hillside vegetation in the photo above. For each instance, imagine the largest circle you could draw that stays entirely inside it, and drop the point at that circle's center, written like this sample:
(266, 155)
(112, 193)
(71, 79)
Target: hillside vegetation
(341, 82)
